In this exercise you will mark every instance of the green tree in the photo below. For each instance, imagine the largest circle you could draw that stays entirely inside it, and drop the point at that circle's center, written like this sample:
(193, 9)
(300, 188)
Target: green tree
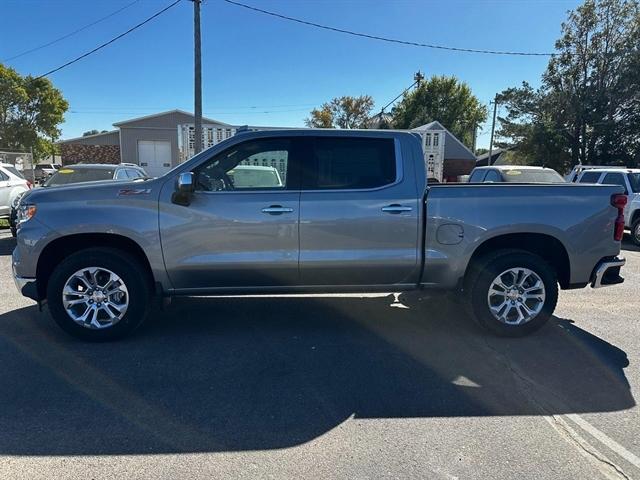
(342, 112)
(93, 132)
(30, 111)
(587, 108)
(446, 100)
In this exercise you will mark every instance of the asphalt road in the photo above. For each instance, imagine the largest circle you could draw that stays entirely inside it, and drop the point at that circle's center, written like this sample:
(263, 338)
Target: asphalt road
(324, 387)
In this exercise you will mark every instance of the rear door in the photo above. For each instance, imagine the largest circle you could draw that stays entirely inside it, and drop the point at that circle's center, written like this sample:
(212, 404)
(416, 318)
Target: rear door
(359, 212)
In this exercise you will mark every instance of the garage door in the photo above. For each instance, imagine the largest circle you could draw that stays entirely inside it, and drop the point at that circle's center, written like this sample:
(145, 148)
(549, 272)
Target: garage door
(154, 156)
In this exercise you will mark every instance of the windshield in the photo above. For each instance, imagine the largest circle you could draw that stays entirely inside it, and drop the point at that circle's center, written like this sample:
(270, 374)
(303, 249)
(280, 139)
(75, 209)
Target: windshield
(15, 171)
(66, 176)
(634, 181)
(531, 176)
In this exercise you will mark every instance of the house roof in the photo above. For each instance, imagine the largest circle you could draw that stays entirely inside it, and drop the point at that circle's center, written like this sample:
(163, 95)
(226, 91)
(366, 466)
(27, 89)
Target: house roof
(453, 148)
(496, 153)
(90, 137)
(168, 112)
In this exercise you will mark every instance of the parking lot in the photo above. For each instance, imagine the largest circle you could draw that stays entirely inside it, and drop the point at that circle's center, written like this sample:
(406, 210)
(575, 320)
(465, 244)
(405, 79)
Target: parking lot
(324, 386)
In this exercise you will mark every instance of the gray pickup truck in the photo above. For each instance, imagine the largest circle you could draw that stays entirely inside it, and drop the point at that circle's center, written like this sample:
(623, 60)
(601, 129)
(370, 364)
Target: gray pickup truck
(352, 212)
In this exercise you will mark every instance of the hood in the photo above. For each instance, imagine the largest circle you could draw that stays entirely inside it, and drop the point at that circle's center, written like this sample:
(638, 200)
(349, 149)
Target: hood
(89, 191)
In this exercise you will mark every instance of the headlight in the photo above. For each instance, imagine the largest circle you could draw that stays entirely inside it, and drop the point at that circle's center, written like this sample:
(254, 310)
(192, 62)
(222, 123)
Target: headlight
(16, 201)
(25, 212)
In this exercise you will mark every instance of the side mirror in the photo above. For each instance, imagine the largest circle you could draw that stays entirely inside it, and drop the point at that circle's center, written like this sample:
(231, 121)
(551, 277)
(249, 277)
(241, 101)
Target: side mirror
(185, 183)
(185, 187)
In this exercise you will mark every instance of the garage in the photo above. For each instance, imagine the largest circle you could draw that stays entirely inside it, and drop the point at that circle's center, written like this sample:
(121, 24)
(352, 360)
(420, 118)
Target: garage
(154, 156)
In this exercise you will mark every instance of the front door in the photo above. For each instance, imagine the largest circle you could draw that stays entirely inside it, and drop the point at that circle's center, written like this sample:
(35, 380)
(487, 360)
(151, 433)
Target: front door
(241, 228)
(359, 215)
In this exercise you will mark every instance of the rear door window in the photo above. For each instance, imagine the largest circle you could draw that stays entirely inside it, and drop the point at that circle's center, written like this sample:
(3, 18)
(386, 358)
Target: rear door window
(477, 176)
(590, 177)
(342, 163)
(492, 176)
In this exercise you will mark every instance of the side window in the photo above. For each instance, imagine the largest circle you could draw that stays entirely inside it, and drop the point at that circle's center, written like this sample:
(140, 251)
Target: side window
(477, 176)
(3, 176)
(615, 179)
(121, 174)
(252, 165)
(343, 163)
(133, 173)
(492, 176)
(589, 177)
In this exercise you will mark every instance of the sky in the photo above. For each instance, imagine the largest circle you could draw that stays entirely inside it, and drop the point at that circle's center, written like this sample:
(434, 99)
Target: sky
(260, 70)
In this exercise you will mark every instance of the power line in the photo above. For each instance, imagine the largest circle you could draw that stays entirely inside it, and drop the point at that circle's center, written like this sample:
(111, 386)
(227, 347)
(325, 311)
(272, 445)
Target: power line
(99, 47)
(387, 39)
(59, 39)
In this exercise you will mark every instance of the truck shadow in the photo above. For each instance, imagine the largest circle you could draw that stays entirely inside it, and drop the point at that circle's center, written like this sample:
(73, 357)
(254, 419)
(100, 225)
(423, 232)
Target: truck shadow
(627, 244)
(231, 374)
(7, 242)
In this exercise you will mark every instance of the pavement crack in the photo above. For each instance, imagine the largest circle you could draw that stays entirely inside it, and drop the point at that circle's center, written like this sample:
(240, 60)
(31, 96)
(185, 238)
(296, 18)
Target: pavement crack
(529, 389)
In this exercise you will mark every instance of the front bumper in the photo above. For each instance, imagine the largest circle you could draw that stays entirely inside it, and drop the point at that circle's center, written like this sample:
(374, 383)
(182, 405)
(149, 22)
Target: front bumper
(607, 272)
(26, 286)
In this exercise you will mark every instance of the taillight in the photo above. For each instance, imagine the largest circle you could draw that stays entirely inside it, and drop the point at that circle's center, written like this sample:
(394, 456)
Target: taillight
(619, 201)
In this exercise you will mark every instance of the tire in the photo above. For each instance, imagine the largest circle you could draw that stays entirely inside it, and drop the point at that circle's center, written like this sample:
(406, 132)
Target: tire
(509, 265)
(105, 261)
(635, 231)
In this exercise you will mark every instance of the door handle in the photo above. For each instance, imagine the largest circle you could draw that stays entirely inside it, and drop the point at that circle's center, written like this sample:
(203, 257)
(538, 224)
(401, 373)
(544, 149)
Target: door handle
(277, 210)
(395, 208)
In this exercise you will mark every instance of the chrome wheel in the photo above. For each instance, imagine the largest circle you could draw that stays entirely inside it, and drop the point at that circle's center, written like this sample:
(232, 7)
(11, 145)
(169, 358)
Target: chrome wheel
(516, 296)
(95, 298)
(636, 233)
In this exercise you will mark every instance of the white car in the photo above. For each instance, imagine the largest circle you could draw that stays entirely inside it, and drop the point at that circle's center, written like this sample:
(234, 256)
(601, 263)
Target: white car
(12, 184)
(629, 179)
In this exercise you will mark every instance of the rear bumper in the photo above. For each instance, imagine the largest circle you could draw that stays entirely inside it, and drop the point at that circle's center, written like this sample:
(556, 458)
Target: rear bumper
(607, 272)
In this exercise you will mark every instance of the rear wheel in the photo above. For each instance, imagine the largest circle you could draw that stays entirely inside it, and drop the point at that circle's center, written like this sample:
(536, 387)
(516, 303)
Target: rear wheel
(512, 292)
(635, 231)
(98, 294)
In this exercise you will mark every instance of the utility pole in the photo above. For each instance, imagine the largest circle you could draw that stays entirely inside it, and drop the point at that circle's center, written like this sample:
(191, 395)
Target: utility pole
(493, 126)
(197, 90)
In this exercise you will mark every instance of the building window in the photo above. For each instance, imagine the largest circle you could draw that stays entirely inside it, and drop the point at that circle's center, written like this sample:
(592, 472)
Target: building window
(436, 138)
(427, 140)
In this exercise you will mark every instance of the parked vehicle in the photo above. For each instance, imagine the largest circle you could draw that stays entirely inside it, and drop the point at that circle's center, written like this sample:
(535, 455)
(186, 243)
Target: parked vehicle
(353, 214)
(95, 172)
(250, 176)
(79, 174)
(514, 174)
(12, 184)
(629, 180)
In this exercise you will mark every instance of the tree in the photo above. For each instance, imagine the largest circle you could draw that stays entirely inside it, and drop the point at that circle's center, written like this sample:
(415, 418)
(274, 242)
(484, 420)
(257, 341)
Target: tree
(446, 100)
(342, 112)
(587, 108)
(93, 132)
(30, 111)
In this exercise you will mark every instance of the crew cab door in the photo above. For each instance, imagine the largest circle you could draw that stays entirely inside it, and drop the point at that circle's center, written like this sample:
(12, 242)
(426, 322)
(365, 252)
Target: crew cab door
(241, 227)
(359, 212)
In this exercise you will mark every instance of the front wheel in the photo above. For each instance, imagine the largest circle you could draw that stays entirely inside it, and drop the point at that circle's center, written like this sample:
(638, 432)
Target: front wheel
(98, 294)
(512, 293)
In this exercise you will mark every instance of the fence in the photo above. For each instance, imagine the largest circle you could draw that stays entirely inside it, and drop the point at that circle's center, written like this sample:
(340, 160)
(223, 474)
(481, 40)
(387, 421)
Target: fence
(23, 161)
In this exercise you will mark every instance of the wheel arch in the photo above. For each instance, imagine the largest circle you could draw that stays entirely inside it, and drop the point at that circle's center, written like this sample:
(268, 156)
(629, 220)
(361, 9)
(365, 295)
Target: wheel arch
(546, 246)
(60, 248)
